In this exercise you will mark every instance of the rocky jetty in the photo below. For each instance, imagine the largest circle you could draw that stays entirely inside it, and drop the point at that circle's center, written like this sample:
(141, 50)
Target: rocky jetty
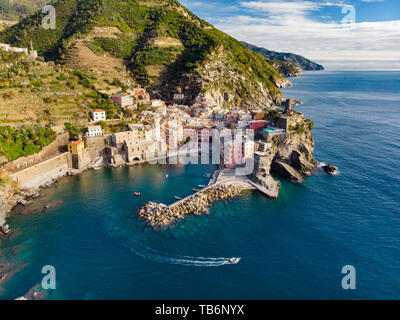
(159, 215)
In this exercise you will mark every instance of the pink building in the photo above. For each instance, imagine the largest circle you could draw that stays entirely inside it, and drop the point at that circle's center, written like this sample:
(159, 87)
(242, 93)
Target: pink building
(256, 125)
(235, 152)
(197, 133)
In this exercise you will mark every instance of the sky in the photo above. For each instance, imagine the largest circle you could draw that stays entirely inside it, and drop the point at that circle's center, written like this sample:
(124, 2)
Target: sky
(339, 34)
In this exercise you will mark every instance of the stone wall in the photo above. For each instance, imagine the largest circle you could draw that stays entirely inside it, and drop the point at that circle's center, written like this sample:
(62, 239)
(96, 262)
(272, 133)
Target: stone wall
(55, 148)
(39, 174)
(95, 146)
(80, 161)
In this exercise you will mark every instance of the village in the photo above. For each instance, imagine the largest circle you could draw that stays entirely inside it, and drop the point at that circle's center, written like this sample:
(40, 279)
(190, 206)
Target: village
(160, 130)
(145, 128)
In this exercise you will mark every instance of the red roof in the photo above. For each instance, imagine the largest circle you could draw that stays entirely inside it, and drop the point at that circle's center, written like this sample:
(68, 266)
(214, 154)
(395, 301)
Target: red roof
(98, 110)
(77, 143)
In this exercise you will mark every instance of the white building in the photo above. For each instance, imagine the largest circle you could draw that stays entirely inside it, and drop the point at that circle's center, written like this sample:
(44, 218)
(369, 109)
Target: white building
(94, 131)
(98, 115)
(174, 134)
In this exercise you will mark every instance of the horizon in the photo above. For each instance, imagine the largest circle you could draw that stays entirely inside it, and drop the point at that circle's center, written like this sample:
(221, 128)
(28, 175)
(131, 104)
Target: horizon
(339, 34)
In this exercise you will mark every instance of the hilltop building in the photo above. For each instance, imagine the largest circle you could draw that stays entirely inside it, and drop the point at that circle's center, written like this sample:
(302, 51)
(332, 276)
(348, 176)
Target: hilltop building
(123, 100)
(98, 115)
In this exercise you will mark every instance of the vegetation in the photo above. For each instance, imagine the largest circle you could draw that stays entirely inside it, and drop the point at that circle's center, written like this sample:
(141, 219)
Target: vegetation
(24, 141)
(140, 22)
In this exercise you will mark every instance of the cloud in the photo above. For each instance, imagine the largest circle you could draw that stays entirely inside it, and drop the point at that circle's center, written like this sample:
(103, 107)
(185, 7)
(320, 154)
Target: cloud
(290, 27)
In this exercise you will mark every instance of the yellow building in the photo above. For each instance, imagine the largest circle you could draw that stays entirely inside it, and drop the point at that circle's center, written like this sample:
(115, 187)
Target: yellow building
(76, 146)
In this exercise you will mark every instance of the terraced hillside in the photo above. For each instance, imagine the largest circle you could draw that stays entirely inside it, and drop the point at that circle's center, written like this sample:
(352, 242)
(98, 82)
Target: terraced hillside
(41, 93)
(158, 43)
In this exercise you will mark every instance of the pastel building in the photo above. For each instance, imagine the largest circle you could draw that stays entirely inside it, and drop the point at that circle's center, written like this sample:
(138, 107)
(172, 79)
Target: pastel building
(76, 146)
(94, 131)
(98, 115)
(141, 96)
(123, 100)
(174, 135)
(257, 125)
(235, 151)
(138, 150)
(119, 138)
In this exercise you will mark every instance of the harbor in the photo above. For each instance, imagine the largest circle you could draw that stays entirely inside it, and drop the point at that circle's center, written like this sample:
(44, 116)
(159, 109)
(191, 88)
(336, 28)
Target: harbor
(223, 185)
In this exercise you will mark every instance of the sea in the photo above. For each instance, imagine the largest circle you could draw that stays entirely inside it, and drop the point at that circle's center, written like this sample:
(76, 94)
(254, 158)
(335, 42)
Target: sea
(296, 247)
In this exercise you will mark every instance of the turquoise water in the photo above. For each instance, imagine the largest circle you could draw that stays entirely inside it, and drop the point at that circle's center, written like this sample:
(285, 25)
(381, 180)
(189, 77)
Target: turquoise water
(291, 248)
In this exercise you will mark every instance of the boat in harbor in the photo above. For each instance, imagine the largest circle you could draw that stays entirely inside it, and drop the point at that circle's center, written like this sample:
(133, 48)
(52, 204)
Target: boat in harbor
(207, 175)
(194, 189)
(178, 198)
(137, 194)
(166, 176)
(202, 185)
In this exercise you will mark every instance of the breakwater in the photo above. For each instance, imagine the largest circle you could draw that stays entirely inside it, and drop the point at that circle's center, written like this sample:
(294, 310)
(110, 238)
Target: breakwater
(158, 215)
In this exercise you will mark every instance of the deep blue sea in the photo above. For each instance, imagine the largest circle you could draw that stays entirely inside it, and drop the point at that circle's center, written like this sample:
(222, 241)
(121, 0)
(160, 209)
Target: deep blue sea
(291, 248)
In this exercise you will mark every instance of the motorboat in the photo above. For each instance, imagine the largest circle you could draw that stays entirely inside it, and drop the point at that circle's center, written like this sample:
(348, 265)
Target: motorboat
(138, 194)
(178, 198)
(234, 260)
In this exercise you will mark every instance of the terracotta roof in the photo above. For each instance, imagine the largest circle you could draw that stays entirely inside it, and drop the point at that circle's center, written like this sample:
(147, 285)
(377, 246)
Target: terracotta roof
(77, 143)
(98, 110)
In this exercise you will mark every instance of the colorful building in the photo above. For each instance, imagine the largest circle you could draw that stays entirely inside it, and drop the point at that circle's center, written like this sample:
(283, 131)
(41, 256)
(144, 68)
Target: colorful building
(235, 151)
(123, 100)
(76, 146)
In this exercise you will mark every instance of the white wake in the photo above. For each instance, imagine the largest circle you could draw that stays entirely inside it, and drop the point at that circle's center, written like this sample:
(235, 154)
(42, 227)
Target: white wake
(153, 255)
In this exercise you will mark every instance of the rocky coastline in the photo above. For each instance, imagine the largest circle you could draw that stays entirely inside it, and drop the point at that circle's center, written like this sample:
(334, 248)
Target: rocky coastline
(159, 215)
(12, 196)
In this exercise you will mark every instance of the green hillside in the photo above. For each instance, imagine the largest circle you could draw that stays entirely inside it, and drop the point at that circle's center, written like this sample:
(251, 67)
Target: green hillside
(292, 60)
(159, 42)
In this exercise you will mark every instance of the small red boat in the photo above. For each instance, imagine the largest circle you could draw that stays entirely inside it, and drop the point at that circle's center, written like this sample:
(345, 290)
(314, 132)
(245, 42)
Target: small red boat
(138, 194)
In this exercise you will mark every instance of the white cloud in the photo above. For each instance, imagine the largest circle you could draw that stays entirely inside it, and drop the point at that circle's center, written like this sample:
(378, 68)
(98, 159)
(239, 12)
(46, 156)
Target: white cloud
(287, 27)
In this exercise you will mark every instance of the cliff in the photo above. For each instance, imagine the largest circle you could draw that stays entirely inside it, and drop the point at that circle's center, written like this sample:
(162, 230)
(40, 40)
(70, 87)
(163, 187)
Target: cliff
(289, 156)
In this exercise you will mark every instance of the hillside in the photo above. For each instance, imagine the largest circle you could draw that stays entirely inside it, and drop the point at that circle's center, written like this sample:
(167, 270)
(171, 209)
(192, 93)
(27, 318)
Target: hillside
(159, 43)
(286, 63)
(40, 93)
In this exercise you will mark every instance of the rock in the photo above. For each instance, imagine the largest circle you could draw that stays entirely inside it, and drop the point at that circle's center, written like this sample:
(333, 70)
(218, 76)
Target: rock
(300, 162)
(5, 229)
(23, 202)
(286, 171)
(330, 169)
